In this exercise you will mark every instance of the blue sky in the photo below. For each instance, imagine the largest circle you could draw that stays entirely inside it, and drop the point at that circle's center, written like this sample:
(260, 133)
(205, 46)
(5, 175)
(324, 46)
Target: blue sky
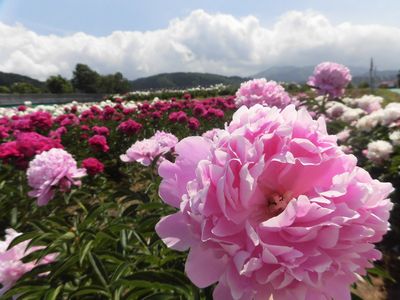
(40, 38)
(101, 17)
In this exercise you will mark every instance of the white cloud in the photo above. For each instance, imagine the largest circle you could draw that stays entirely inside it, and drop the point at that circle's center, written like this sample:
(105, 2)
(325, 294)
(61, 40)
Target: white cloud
(203, 42)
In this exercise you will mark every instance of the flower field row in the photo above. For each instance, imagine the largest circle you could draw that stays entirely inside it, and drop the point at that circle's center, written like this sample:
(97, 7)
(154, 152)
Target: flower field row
(272, 194)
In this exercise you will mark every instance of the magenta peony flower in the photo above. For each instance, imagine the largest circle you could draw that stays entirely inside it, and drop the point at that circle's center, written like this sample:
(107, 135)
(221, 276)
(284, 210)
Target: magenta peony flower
(193, 123)
(11, 265)
(272, 207)
(52, 169)
(330, 79)
(261, 91)
(99, 143)
(93, 166)
(129, 127)
(101, 130)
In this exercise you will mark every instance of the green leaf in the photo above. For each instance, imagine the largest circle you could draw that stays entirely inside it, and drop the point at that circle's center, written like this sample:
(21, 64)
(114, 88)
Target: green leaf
(84, 251)
(98, 268)
(52, 295)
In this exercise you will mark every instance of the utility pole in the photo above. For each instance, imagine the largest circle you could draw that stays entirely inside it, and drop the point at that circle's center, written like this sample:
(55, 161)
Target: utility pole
(398, 79)
(372, 70)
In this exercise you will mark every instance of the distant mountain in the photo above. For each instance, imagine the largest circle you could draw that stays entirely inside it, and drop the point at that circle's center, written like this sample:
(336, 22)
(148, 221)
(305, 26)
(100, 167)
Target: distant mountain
(8, 79)
(388, 75)
(298, 74)
(182, 80)
(301, 74)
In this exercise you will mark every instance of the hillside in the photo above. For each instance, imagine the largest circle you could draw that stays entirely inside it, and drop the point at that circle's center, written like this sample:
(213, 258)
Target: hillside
(8, 79)
(182, 80)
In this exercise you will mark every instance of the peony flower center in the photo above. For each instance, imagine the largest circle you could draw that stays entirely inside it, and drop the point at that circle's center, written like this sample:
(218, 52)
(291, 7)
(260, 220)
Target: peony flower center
(276, 203)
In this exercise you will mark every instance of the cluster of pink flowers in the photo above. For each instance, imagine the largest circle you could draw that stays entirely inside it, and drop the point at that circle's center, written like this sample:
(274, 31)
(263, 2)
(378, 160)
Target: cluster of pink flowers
(261, 91)
(330, 79)
(272, 206)
(11, 265)
(147, 150)
(26, 145)
(52, 169)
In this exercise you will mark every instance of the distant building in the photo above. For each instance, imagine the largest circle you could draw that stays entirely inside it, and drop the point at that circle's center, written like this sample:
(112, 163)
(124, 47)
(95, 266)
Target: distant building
(388, 84)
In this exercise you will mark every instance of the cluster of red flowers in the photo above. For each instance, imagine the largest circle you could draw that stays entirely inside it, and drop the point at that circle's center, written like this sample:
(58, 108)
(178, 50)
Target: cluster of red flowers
(100, 129)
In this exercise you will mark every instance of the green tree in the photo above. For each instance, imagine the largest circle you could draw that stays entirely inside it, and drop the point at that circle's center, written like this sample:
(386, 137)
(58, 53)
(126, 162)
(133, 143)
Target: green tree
(85, 79)
(114, 83)
(25, 88)
(363, 85)
(4, 89)
(58, 85)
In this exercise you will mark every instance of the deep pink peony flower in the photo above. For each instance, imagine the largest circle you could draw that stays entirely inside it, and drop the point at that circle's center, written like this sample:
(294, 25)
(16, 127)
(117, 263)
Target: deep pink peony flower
(27, 145)
(101, 130)
(22, 108)
(108, 112)
(261, 91)
(272, 207)
(32, 143)
(4, 132)
(41, 120)
(11, 265)
(99, 143)
(93, 166)
(330, 79)
(9, 150)
(67, 120)
(193, 123)
(129, 127)
(52, 169)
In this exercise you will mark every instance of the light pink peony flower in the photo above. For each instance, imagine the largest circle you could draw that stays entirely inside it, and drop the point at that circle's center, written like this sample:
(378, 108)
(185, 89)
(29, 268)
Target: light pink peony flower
(165, 140)
(343, 135)
(11, 265)
(145, 151)
(330, 79)
(272, 208)
(52, 169)
(261, 91)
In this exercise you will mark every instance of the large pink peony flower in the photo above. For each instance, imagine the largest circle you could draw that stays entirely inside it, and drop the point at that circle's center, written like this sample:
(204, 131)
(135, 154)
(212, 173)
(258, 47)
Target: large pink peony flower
(52, 169)
(273, 207)
(11, 265)
(261, 91)
(330, 79)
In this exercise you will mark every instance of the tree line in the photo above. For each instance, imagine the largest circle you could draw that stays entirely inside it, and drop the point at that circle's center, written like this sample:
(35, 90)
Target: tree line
(84, 80)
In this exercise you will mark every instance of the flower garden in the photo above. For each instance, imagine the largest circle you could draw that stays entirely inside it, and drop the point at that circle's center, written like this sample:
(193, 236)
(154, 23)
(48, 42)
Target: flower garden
(260, 194)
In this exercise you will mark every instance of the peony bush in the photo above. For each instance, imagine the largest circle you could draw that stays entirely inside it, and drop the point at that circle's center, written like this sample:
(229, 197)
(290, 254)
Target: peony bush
(255, 193)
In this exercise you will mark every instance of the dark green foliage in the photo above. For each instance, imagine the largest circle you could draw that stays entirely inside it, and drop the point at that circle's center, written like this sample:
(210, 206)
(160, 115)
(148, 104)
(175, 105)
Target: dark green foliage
(58, 85)
(84, 79)
(24, 88)
(114, 83)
